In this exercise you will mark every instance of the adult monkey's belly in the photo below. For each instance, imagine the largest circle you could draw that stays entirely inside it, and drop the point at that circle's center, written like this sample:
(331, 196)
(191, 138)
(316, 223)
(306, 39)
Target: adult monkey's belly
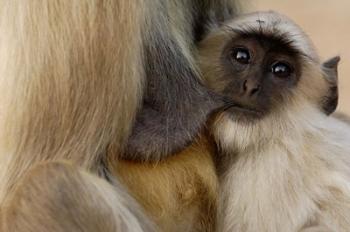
(180, 193)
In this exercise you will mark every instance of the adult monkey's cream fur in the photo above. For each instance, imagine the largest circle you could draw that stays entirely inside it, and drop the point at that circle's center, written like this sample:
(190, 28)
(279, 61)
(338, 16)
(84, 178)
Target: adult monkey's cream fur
(54, 107)
(73, 75)
(289, 170)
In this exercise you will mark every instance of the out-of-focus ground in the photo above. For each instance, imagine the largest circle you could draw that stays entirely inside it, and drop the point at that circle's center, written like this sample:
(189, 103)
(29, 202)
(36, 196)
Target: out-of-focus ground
(327, 22)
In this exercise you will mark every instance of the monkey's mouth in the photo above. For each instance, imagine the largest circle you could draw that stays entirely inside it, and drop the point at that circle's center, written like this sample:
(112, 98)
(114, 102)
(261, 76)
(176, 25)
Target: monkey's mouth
(239, 112)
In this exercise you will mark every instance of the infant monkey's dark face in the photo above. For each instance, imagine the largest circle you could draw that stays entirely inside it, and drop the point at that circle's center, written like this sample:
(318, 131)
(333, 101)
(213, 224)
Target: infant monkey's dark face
(258, 74)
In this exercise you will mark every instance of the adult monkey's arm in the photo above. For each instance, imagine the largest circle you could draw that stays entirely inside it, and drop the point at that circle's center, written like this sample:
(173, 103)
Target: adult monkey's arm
(176, 105)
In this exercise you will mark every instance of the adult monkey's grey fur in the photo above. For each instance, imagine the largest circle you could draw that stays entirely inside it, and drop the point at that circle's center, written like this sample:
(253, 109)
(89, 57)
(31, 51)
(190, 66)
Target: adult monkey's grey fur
(175, 103)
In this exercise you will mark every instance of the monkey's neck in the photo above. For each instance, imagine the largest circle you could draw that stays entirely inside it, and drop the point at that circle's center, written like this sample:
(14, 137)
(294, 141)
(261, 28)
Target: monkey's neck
(301, 138)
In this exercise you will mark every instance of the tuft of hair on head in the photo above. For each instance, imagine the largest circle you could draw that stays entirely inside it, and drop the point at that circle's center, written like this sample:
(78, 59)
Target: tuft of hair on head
(275, 26)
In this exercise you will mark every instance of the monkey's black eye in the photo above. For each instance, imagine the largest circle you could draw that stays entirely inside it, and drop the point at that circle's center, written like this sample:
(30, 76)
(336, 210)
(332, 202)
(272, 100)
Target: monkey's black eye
(241, 55)
(281, 69)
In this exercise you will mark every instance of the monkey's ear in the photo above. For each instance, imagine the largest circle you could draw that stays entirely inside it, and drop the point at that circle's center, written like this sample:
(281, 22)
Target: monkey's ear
(330, 69)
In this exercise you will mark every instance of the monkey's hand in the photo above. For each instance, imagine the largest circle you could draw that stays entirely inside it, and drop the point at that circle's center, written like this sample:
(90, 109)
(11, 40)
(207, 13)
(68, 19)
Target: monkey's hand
(160, 133)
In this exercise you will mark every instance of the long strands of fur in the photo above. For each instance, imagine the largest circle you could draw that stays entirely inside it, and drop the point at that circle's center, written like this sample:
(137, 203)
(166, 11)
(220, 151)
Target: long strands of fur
(70, 81)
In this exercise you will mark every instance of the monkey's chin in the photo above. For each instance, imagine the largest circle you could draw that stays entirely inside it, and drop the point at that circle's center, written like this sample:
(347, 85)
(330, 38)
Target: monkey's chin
(243, 114)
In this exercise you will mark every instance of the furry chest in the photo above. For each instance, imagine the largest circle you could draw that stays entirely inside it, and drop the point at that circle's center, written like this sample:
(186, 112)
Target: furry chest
(267, 195)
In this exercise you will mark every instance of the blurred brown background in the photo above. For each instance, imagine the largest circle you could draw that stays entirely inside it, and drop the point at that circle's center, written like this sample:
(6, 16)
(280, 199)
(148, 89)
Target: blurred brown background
(327, 22)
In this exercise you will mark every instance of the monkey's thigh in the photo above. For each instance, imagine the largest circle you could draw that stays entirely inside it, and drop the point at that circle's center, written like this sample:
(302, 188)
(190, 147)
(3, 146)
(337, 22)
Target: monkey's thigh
(57, 197)
(179, 194)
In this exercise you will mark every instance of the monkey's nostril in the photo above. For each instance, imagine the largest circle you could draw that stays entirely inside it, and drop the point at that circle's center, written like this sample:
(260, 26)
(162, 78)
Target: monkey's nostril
(250, 87)
(255, 90)
(245, 85)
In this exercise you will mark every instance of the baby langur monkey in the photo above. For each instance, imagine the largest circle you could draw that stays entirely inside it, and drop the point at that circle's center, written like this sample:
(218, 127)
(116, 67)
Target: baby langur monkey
(283, 164)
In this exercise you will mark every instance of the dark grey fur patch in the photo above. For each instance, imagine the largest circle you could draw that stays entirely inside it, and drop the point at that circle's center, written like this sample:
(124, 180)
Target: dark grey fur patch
(211, 12)
(330, 101)
(176, 105)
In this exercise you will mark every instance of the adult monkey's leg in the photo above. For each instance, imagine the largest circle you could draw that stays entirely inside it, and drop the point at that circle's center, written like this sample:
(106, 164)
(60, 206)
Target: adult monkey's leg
(58, 197)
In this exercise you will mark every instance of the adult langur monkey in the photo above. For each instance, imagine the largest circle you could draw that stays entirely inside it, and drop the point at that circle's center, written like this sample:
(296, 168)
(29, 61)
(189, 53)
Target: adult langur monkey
(74, 75)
